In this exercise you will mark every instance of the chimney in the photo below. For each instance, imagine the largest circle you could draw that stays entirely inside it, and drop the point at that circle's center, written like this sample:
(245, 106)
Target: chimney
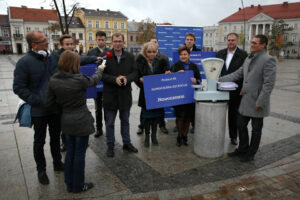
(285, 3)
(259, 7)
(240, 9)
(108, 10)
(22, 6)
(42, 8)
(252, 6)
(97, 9)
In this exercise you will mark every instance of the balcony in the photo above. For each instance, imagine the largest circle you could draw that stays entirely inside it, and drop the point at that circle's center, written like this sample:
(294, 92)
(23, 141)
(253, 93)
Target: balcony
(18, 36)
(55, 37)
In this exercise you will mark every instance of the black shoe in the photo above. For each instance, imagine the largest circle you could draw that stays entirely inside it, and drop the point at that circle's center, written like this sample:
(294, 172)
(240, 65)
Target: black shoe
(164, 130)
(63, 147)
(130, 147)
(147, 140)
(59, 168)
(184, 140)
(179, 141)
(236, 153)
(43, 178)
(175, 129)
(140, 131)
(98, 133)
(234, 141)
(247, 158)
(110, 152)
(192, 130)
(86, 187)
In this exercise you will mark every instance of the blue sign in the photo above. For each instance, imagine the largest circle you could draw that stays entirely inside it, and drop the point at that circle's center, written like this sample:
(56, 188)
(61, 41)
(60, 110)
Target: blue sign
(165, 90)
(196, 58)
(89, 70)
(170, 38)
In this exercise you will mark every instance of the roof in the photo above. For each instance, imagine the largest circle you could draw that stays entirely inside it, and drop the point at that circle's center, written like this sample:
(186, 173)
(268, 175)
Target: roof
(75, 23)
(33, 14)
(277, 11)
(103, 13)
(4, 20)
(132, 26)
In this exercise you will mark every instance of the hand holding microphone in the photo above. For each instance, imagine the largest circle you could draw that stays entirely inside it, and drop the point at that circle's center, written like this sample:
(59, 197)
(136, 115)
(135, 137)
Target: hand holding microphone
(101, 60)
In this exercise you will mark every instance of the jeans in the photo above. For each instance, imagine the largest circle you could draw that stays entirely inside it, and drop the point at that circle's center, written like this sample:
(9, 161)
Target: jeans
(257, 125)
(75, 162)
(110, 117)
(40, 130)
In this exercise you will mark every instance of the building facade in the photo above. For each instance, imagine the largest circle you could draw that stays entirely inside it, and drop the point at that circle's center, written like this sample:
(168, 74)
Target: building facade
(5, 39)
(23, 20)
(107, 21)
(210, 35)
(259, 20)
(132, 31)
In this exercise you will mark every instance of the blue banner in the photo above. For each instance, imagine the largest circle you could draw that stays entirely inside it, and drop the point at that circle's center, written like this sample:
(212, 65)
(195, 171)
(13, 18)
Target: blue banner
(165, 90)
(196, 57)
(170, 38)
(89, 70)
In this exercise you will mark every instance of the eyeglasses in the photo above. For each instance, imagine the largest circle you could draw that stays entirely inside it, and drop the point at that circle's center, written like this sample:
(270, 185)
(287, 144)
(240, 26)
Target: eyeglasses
(117, 41)
(151, 51)
(43, 41)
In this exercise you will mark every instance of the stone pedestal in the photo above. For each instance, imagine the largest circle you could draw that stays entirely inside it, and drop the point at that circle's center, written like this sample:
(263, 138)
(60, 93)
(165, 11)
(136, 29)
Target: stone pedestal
(210, 125)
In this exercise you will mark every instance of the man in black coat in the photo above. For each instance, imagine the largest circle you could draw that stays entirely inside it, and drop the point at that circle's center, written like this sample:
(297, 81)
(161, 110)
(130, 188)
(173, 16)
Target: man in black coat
(233, 59)
(31, 77)
(100, 50)
(120, 71)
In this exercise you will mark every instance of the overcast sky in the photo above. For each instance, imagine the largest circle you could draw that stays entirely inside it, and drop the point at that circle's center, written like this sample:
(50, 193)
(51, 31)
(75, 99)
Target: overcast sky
(177, 12)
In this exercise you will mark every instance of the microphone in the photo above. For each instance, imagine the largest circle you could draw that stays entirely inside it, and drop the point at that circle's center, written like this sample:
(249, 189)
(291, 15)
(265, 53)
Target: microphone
(108, 55)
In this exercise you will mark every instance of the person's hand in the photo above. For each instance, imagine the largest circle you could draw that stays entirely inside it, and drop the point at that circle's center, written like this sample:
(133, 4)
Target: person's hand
(241, 94)
(193, 79)
(101, 67)
(181, 71)
(168, 72)
(121, 80)
(257, 107)
(141, 80)
(118, 81)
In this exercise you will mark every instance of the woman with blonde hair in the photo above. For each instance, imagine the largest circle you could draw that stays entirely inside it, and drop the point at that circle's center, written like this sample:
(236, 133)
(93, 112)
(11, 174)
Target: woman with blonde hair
(148, 64)
(67, 92)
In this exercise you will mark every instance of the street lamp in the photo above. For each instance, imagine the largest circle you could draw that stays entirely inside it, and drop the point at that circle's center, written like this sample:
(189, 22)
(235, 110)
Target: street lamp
(244, 25)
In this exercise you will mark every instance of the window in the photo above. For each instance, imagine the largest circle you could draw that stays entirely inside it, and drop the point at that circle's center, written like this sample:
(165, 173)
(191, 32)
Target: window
(294, 38)
(17, 30)
(296, 26)
(225, 28)
(206, 34)
(106, 24)
(131, 38)
(115, 25)
(45, 31)
(285, 37)
(36, 28)
(225, 38)
(122, 25)
(74, 36)
(137, 39)
(5, 32)
(27, 29)
(97, 24)
(210, 34)
(234, 28)
(90, 24)
(80, 36)
(90, 36)
(242, 27)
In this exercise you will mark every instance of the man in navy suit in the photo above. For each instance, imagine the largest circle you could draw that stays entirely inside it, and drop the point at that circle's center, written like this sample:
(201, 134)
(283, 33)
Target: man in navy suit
(233, 59)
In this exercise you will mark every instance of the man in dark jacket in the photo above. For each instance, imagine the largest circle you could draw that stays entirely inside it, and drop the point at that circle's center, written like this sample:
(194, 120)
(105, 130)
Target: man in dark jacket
(31, 77)
(233, 59)
(120, 71)
(66, 43)
(100, 50)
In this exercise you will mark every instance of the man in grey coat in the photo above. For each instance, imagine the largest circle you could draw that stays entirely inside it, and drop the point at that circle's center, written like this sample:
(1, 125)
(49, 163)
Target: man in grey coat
(258, 73)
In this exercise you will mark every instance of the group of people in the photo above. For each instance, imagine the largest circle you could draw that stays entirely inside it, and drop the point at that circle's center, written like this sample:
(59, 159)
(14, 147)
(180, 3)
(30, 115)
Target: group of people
(52, 85)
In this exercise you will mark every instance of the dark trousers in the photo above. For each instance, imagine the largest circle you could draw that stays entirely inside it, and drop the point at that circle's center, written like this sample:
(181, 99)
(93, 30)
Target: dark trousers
(75, 162)
(40, 129)
(233, 112)
(98, 112)
(257, 125)
(161, 122)
(110, 117)
(151, 124)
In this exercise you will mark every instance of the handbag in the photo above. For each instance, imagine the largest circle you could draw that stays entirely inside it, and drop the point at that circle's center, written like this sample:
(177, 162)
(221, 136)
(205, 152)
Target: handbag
(24, 109)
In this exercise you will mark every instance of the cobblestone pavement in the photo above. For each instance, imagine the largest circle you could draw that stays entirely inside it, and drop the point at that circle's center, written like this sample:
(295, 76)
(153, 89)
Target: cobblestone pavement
(164, 171)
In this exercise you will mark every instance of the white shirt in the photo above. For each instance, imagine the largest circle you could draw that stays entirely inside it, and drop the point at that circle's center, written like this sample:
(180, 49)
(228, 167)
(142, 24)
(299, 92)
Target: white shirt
(229, 58)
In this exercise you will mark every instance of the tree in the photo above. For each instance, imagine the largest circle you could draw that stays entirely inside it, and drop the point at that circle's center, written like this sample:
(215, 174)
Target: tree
(241, 38)
(146, 30)
(277, 41)
(68, 14)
